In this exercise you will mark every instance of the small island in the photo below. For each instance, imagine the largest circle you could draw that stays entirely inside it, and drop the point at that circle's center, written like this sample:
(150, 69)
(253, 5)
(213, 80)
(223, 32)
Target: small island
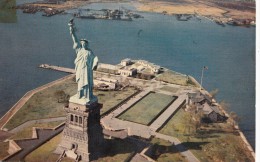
(149, 113)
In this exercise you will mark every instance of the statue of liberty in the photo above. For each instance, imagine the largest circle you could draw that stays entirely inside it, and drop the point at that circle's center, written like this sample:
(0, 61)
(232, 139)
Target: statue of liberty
(85, 62)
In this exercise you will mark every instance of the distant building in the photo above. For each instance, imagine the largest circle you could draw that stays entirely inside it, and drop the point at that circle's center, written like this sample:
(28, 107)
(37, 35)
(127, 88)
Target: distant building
(212, 113)
(198, 98)
(108, 68)
(126, 62)
(127, 71)
(105, 83)
(129, 68)
(153, 68)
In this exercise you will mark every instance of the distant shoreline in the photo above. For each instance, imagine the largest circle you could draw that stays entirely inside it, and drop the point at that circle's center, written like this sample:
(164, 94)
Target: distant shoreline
(232, 13)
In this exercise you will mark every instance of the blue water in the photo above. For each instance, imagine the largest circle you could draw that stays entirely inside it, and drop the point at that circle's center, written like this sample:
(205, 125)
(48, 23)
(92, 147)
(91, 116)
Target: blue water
(229, 53)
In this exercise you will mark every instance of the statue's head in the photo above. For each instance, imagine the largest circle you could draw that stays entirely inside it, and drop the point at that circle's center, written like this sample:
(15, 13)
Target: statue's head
(84, 43)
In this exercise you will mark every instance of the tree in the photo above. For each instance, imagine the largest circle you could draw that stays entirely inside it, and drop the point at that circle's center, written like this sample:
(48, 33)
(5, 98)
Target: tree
(213, 93)
(225, 106)
(235, 119)
(60, 96)
(189, 81)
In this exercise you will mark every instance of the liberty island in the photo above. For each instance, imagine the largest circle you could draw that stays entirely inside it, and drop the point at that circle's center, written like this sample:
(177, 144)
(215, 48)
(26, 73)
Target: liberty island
(122, 116)
(148, 101)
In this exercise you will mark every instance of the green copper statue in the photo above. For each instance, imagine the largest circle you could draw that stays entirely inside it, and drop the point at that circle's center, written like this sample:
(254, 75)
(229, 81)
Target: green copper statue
(85, 62)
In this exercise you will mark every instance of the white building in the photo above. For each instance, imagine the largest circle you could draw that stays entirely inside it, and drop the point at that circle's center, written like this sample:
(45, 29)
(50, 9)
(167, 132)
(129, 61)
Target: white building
(212, 112)
(105, 82)
(126, 62)
(108, 68)
(127, 71)
(154, 68)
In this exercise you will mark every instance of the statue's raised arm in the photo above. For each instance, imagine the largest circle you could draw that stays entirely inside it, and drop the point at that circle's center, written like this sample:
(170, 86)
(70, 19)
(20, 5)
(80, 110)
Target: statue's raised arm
(76, 43)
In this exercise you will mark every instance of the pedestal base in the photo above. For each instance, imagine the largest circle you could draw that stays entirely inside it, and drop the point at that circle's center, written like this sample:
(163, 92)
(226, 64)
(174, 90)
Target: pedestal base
(82, 133)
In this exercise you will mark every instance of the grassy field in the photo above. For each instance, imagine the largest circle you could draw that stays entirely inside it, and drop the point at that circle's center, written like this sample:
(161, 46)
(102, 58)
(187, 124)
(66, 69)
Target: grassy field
(43, 104)
(175, 78)
(163, 151)
(27, 132)
(44, 152)
(109, 99)
(169, 89)
(212, 142)
(147, 108)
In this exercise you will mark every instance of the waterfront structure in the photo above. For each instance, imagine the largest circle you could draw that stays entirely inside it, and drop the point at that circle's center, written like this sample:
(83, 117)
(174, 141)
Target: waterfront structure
(126, 62)
(127, 71)
(212, 113)
(129, 68)
(206, 105)
(82, 135)
(198, 98)
(154, 68)
(108, 68)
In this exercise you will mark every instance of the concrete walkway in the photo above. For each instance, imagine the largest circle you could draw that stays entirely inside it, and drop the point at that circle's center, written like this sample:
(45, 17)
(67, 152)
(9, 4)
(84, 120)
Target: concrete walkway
(57, 68)
(115, 124)
(139, 158)
(31, 122)
(28, 145)
(128, 104)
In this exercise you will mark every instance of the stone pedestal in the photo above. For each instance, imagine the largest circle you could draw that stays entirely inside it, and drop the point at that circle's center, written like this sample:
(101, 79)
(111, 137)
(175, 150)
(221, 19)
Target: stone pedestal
(82, 134)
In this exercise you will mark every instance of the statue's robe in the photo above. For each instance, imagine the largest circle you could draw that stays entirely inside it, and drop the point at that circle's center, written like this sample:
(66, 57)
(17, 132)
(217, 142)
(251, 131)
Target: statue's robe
(84, 65)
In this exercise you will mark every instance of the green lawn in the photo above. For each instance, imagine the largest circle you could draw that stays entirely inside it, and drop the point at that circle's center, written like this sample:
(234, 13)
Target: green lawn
(44, 104)
(45, 152)
(109, 99)
(169, 89)
(175, 78)
(145, 110)
(213, 142)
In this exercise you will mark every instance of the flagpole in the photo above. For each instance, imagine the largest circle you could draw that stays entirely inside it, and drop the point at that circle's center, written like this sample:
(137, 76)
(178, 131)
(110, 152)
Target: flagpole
(202, 72)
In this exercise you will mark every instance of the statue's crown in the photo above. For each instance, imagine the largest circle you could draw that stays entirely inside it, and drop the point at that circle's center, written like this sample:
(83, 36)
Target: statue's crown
(84, 40)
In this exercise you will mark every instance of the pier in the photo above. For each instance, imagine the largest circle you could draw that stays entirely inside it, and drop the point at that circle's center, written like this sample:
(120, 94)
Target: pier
(57, 68)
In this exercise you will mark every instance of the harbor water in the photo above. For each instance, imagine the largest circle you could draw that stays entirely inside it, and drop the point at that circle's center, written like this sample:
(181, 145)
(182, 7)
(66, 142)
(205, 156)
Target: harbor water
(183, 46)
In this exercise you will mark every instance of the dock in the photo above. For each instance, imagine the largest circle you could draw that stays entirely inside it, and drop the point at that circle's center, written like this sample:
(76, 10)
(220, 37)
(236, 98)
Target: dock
(57, 68)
